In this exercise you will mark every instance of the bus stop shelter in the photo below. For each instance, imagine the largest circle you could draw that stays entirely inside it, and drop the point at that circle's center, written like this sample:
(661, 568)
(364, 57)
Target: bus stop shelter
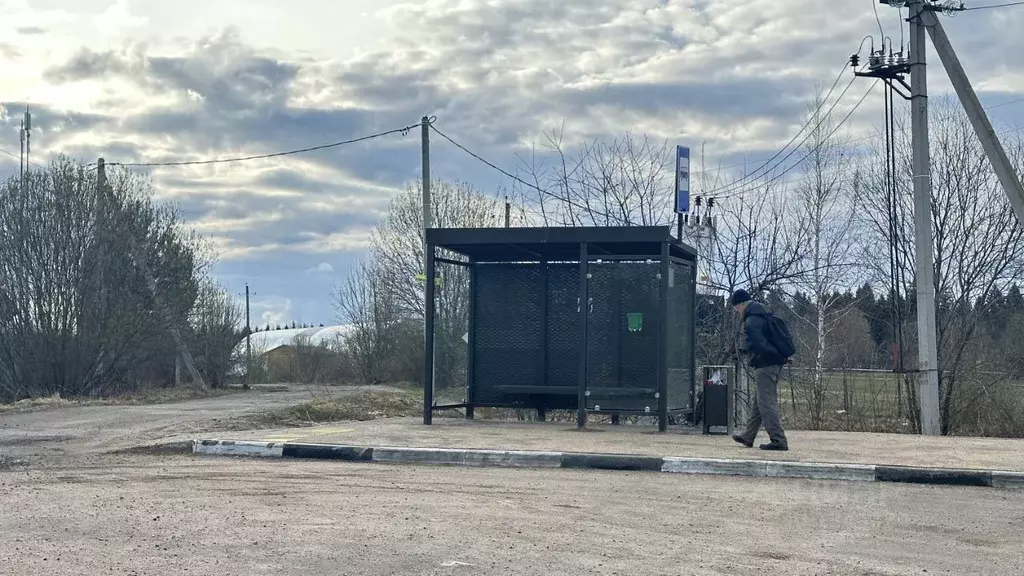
(591, 319)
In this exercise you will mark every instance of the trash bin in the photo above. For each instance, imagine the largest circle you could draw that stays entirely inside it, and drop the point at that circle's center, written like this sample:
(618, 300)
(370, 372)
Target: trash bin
(716, 402)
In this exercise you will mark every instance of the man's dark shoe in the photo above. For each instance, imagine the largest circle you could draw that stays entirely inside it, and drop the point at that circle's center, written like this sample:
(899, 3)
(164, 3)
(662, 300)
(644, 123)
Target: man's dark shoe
(774, 446)
(740, 439)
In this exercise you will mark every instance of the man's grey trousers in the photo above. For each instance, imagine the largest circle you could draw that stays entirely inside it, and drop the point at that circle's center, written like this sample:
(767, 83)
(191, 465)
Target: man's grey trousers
(766, 408)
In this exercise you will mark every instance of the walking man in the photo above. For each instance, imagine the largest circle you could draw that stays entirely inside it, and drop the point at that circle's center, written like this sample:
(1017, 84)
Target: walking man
(768, 347)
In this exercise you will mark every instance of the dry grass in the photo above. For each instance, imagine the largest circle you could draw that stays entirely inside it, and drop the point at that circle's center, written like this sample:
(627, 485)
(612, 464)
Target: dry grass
(153, 396)
(359, 407)
(35, 404)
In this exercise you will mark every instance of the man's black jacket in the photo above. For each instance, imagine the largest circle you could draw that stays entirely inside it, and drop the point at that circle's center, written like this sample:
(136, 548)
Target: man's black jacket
(759, 346)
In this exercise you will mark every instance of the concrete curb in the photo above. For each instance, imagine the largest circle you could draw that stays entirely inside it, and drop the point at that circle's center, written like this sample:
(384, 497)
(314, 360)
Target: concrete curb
(943, 476)
(1013, 480)
(620, 462)
(238, 448)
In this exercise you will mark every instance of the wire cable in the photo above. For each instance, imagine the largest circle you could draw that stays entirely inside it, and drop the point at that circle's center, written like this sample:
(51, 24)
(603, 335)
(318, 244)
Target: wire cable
(991, 6)
(754, 173)
(809, 152)
(16, 157)
(403, 131)
(567, 200)
(873, 136)
(881, 30)
(820, 118)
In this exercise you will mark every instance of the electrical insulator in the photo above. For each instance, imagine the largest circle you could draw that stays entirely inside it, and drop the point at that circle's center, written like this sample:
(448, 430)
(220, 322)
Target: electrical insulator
(875, 61)
(711, 203)
(696, 201)
(855, 60)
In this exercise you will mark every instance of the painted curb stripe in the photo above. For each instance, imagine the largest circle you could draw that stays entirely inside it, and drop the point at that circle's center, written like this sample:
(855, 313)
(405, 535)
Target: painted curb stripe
(232, 448)
(328, 452)
(672, 464)
(719, 467)
(942, 476)
(1013, 480)
(612, 462)
(500, 458)
(818, 471)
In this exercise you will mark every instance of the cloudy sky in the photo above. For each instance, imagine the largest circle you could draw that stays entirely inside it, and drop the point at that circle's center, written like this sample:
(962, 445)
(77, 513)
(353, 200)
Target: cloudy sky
(146, 81)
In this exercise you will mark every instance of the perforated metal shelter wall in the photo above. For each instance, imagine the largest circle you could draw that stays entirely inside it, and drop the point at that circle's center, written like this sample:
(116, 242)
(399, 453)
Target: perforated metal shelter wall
(451, 327)
(527, 333)
(525, 320)
(682, 293)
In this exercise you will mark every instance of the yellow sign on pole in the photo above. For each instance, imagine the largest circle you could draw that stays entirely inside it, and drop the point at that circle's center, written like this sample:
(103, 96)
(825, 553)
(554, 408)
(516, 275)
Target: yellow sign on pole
(423, 278)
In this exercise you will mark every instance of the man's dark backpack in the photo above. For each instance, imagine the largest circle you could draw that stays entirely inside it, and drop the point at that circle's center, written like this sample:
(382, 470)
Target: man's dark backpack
(778, 335)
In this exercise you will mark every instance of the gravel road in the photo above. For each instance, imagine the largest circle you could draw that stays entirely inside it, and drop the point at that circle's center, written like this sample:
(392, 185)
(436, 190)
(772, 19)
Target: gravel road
(146, 515)
(86, 431)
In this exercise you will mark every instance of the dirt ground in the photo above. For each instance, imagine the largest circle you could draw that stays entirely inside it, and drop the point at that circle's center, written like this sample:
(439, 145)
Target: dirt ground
(69, 506)
(60, 433)
(146, 515)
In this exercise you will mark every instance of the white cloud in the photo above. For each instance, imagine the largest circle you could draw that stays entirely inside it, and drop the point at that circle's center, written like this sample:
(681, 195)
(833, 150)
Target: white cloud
(273, 310)
(134, 80)
(322, 268)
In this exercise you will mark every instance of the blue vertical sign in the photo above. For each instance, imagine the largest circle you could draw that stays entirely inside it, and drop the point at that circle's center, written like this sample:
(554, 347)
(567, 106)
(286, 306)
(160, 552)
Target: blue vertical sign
(682, 179)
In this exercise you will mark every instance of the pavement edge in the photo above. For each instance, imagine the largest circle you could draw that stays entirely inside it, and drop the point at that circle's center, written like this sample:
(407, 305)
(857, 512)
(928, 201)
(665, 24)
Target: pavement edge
(619, 462)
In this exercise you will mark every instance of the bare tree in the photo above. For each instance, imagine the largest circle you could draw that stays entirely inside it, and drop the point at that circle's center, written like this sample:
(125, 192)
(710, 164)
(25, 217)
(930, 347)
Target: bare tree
(76, 314)
(623, 182)
(216, 328)
(977, 245)
(825, 209)
(366, 303)
(397, 242)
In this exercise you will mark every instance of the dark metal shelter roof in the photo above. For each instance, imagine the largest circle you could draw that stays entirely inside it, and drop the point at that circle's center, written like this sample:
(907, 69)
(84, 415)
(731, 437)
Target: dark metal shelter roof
(558, 244)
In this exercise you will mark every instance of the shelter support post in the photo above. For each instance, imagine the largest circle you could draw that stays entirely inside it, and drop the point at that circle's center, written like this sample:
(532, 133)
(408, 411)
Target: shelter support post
(471, 345)
(584, 317)
(428, 340)
(663, 320)
(693, 349)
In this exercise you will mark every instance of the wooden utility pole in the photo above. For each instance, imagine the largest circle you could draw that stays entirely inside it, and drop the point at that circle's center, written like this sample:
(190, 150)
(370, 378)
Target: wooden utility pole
(248, 340)
(428, 338)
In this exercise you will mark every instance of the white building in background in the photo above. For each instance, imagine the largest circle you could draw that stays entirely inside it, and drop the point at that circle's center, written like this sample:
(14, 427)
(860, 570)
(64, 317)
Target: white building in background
(276, 346)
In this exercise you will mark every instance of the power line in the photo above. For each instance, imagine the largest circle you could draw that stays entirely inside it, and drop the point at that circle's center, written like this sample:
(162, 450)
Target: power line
(402, 131)
(990, 6)
(812, 150)
(739, 184)
(899, 131)
(852, 179)
(518, 179)
(881, 30)
(815, 114)
(861, 139)
(16, 157)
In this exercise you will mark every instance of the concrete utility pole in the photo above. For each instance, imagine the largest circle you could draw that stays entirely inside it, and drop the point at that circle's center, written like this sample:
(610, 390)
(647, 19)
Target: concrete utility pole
(923, 17)
(982, 127)
(928, 364)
